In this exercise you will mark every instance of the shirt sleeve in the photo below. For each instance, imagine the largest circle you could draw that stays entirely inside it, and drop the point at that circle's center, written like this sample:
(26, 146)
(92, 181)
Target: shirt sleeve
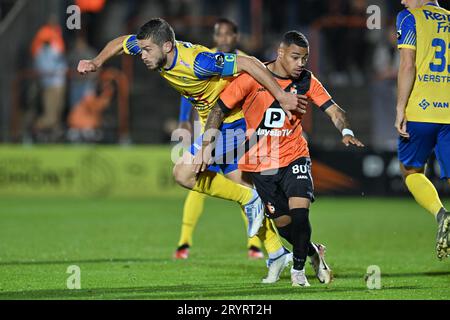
(210, 64)
(234, 95)
(319, 95)
(185, 109)
(130, 45)
(406, 30)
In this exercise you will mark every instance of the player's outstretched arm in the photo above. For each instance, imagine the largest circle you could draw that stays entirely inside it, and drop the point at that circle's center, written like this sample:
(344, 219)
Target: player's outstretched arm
(288, 101)
(113, 48)
(406, 78)
(337, 116)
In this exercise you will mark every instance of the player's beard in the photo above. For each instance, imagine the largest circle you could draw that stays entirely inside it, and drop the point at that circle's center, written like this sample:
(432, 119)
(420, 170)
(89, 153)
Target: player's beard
(161, 62)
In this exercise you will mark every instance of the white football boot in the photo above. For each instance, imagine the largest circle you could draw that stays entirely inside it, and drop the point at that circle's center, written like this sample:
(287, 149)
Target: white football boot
(322, 270)
(298, 278)
(443, 235)
(254, 210)
(277, 266)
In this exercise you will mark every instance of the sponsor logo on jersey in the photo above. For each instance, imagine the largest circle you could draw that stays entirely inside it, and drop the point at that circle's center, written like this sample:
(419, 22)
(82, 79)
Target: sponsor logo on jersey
(274, 132)
(294, 89)
(443, 20)
(424, 104)
(270, 208)
(435, 16)
(438, 104)
(274, 118)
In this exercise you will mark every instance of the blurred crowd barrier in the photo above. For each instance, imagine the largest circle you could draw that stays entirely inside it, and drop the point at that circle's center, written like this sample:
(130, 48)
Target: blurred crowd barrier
(98, 108)
(79, 172)
(146, 171)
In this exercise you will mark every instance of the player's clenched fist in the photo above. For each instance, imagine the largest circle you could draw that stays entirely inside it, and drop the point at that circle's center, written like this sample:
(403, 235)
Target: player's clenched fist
(86, 66)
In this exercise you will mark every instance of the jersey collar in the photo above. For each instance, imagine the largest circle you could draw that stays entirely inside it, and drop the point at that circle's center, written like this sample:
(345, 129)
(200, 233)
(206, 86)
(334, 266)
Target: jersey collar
(431, 4)
(274, 74)
(174, 59)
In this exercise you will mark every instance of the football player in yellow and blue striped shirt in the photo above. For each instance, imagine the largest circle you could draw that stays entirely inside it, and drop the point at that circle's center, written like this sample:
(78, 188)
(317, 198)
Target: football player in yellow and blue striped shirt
(226, 37)
(200, 75)
(423, 105)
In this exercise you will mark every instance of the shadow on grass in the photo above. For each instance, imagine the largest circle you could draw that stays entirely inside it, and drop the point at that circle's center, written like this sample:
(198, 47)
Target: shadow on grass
(81, 261)
(395, 275)
(186, 291)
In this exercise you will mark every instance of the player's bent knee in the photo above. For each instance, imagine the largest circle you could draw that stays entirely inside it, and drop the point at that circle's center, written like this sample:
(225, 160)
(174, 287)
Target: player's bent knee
(282, 221)
(286, 232)
(406, 171)
(184, 176)
(299, 203)
(238, 177)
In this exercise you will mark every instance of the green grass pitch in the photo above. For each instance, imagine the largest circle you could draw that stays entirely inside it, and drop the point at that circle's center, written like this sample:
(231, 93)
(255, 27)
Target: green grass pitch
(124, 250)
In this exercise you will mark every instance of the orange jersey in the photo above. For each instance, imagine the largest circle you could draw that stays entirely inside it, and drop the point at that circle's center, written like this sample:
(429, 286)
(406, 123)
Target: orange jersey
(272, 140)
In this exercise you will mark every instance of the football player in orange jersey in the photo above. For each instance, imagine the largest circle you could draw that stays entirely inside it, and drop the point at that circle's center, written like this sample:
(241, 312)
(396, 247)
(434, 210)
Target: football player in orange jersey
(276, 155)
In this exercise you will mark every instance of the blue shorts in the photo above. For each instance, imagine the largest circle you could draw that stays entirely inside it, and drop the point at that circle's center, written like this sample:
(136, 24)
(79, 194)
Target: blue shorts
(424, 138)
(225, 154)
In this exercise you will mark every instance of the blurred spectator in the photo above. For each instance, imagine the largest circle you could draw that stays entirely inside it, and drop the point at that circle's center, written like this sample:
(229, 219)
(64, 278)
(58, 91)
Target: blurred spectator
(51, 34)
(335, 49)
(80, 85)
(305, 12)
(357, 39)
(385, 63)
(85, 120)
(49, 61)
(347, 45)
(133, 7)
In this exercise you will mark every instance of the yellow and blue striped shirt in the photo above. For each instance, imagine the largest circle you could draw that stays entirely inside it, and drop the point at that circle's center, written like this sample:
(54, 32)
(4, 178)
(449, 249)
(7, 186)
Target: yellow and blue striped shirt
(197, 73)
(427, 31)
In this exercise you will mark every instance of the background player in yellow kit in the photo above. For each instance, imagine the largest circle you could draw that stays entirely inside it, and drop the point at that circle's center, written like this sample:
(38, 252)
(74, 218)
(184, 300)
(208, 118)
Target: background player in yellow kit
(423, 112)
(226, 37)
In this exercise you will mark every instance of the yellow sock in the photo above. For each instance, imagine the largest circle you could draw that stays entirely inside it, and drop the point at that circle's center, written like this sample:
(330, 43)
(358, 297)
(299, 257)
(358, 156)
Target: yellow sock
(269, 237)
(253, 241)
(193, 209)
(424, 192)
(218, 186)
